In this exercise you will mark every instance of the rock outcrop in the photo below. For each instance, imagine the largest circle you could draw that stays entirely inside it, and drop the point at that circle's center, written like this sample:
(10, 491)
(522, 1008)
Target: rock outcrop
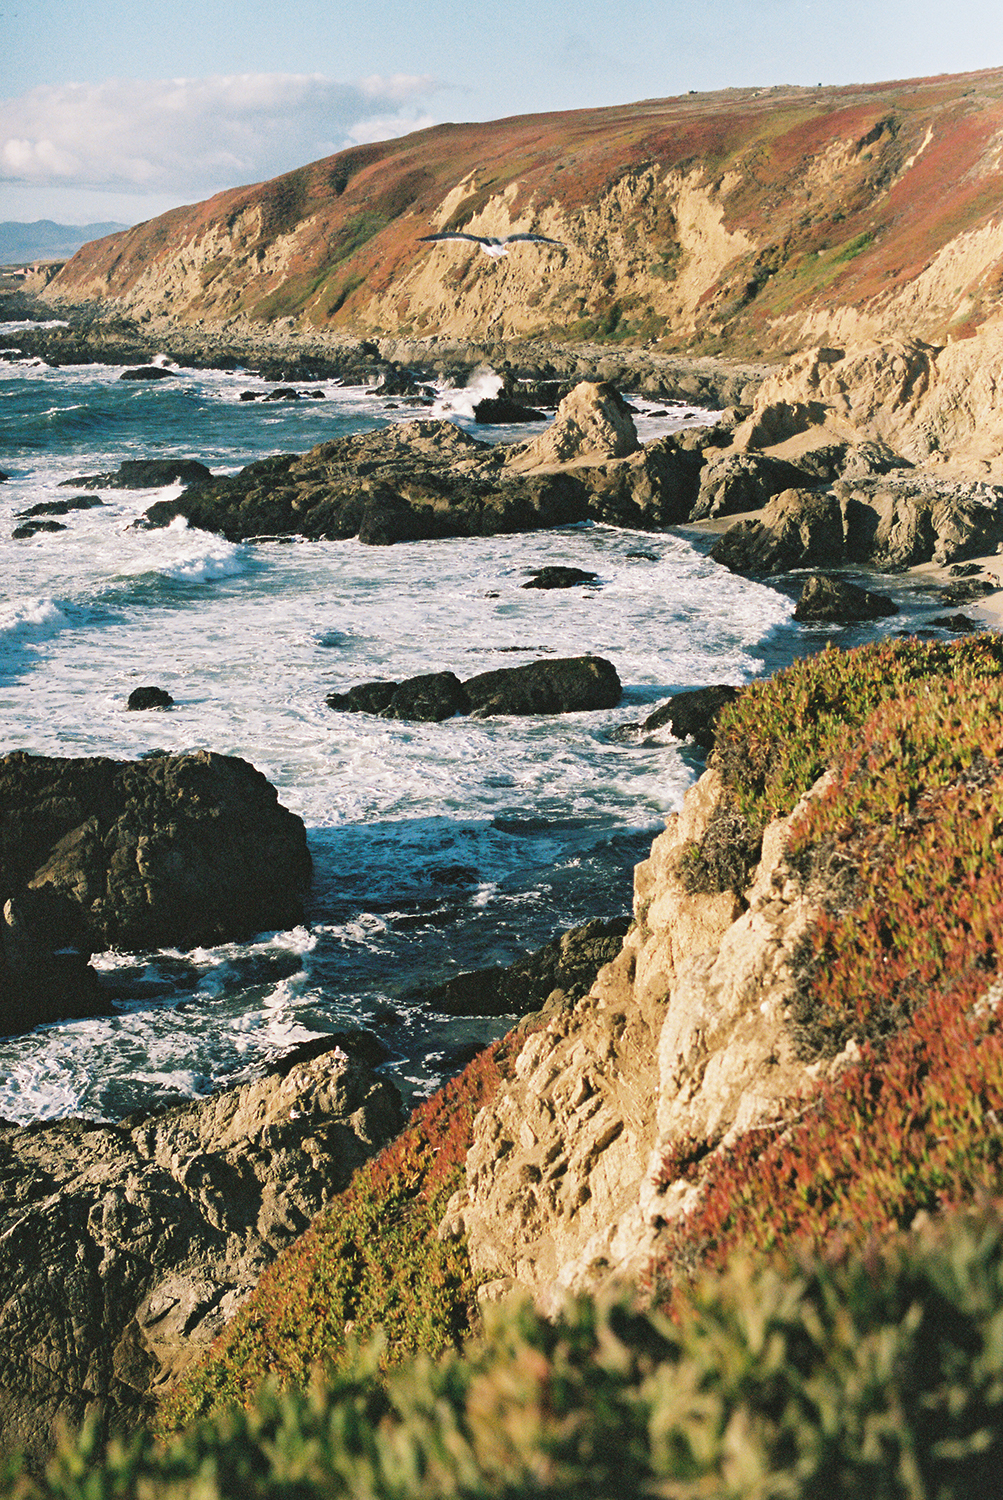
(890, 523)
(835, 601)
(95, 853)
(681, 1040)
(125, 1248)
(556, 685)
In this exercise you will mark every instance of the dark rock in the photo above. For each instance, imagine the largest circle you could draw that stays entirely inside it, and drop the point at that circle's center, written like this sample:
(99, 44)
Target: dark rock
(3, 477)
(429, 698)
(149, 697)
(797, 529)
(651, 489)
(835, 601)
(32, 528)
(282, 393)
(174, 850)
(968, 589)
(960, 624)
(568, 964)
(556, 577)
(560, 686)
(145, 474)
(148, 372)
(125, 1249)
(62, 507)
(956, 570)
(693, 714)
(743, 481)
(366, 698)
(500, 409)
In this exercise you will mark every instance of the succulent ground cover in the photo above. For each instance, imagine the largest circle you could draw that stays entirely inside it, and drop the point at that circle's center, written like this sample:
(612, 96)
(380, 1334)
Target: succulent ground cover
(828, 1322)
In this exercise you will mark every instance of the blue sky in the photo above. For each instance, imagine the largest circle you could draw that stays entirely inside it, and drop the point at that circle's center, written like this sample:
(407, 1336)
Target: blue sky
(115, 110)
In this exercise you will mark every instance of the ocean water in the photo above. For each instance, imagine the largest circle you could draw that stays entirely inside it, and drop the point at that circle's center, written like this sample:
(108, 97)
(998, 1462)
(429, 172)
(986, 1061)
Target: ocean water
(437, 847)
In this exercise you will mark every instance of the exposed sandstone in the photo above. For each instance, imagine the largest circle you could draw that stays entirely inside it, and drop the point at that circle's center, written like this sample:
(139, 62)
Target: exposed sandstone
(681, 1038)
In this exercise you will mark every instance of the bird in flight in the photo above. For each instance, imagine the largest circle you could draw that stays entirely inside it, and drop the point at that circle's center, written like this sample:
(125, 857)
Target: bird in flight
(492, 245)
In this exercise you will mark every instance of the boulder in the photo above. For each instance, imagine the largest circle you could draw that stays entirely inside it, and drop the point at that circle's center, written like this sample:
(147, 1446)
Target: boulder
(556, 686)
(62, 507)
(144, 474)
(591, 422)
(149, 697)
(558, 577)
(692, 714)
(655, 487)
(365, 698)
(125, 1248)
(560, 686)
(835, 601)
(32, 528)
(177, 850)
(148, 372)
(743, 481)
(555, 975)
(797, 529)
(503, 410)
(430, 698)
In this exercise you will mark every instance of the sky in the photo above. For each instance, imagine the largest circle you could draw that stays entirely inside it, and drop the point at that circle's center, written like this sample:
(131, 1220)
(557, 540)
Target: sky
(116, 110)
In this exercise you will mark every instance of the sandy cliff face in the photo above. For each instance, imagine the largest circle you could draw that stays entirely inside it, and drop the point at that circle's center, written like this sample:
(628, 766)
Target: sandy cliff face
(747, 219)
(682, 1038)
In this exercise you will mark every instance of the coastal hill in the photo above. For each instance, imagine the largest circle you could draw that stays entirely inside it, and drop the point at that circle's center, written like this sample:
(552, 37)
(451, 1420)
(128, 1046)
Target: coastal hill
(752, 221)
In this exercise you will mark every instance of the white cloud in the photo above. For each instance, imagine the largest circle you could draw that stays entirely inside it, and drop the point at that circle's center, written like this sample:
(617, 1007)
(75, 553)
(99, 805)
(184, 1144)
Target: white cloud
(194, 136)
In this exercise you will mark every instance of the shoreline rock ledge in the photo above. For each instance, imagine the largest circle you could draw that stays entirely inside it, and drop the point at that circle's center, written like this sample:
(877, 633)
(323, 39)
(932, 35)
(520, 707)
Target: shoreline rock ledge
(125, 1248)
(174, 850)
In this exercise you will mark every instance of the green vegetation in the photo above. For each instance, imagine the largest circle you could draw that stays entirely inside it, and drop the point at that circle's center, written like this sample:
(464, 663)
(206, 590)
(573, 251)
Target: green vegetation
(878, 1376)
(371, 1261)
(827, 1322)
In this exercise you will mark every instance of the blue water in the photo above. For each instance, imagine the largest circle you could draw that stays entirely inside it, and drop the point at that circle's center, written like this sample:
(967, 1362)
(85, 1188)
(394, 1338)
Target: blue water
(437, 847)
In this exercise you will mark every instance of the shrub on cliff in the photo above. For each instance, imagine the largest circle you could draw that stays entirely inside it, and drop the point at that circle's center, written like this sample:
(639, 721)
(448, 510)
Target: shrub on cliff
(776, 739)
(878, 1375)
(372, 1261)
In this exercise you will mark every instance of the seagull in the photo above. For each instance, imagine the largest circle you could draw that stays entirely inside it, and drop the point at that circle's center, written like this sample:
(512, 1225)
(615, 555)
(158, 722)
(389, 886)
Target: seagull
(492, 245)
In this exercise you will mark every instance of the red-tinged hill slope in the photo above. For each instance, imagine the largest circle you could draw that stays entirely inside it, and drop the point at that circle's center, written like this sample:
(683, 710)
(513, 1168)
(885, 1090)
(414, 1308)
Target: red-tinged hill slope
(752, 220)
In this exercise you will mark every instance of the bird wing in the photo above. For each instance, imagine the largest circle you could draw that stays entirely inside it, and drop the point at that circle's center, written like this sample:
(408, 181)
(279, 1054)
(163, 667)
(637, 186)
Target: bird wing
(451, 234)
(536, 239)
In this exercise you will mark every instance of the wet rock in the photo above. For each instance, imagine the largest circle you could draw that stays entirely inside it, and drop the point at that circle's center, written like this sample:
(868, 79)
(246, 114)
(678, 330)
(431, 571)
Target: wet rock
(144, 474)
(125, 1249)
(568, 965)
(693, 714)
(563, 685)
(557, 686)
(959, 624)
(968, 589)
(148, 372)
(149, 697)
(431, 698)
(62, 507)
(498, 410)
(174, 850)
(558, 577)
(365, 698)
(653, 488)
(32, 528)
(835, 601)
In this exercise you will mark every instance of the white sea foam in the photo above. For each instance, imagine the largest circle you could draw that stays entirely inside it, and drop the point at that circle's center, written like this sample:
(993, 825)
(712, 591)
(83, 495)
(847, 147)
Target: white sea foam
(436, 846)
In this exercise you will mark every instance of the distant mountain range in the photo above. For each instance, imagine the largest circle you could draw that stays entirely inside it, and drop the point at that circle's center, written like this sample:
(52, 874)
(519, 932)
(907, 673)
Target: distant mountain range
(45, 240)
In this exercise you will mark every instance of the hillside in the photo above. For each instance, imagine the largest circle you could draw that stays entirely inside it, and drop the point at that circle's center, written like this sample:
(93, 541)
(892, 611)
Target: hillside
(756, 221)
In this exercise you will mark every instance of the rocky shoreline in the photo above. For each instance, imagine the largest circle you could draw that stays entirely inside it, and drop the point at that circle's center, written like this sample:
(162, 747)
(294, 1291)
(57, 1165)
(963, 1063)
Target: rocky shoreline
(674, 1028)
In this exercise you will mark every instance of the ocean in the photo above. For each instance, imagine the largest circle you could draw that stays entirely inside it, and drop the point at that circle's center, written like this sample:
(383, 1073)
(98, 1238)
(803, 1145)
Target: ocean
(437, 847)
